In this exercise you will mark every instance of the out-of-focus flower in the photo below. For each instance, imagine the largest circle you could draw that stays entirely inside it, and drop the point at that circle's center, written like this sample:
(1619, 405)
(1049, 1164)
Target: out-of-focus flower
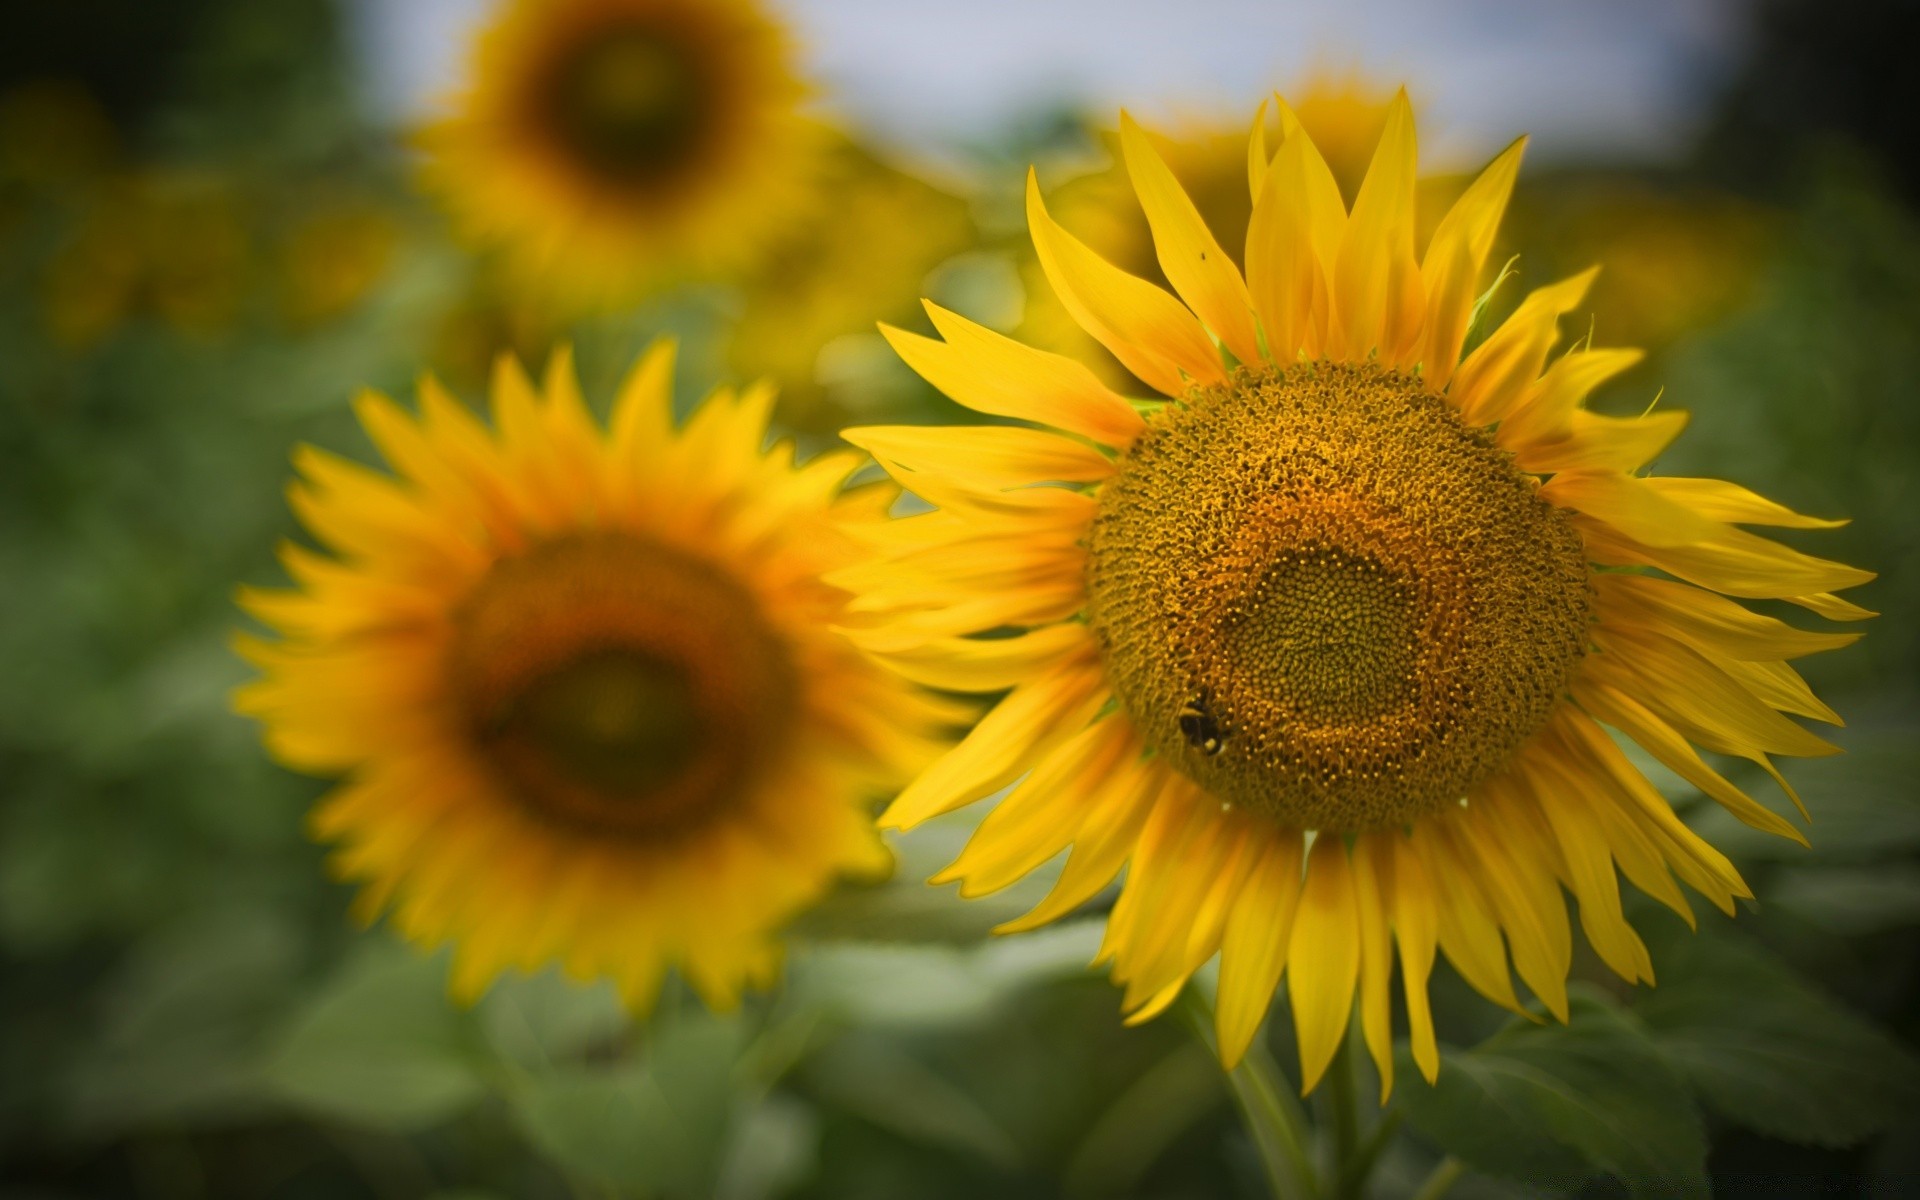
(332, 257)
(608, 146)
(1344, 114)
(1676, 261)
(1329, 650)
(172, 245)
(53, 134)
(864, 258)
(585, 686)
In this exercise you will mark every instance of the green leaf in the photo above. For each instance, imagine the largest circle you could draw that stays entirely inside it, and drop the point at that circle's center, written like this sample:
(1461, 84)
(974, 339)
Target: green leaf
(920, 986)
(383, 1046)
(879, 1080)
(539, 1020)
(1769, 1051)
(775, 1145)
(1851, 900)
(1549, 1104)
(656, 1123)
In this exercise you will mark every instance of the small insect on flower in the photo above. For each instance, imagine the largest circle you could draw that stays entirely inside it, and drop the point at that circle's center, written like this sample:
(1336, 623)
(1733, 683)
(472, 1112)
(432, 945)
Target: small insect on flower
(1330, 650)
(585, 687)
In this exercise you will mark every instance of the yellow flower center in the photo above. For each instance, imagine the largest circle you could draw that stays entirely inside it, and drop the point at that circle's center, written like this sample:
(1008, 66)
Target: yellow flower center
(617, 685)
(1324, 597)
(631, 104)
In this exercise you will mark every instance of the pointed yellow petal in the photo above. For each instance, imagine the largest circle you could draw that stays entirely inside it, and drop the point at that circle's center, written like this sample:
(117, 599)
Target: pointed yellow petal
(1455, 258)
(1297, 216)
(1152, 334)
(643, 408)
(982, 455)
(1253, 951)
(1194, 264)
(1378, 305)
(1500, 369)
(994, 374)
(1257, 155)
(1546, 411)
(1005, 744)
(1723, 501)
(1415, 928)
(1323, 959)
(1372, 881)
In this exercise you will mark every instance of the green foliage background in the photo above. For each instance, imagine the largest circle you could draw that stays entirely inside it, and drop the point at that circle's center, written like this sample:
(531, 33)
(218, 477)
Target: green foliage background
(185, 1010)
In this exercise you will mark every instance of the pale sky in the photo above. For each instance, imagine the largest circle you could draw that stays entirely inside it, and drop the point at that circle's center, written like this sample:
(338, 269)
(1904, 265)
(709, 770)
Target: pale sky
(1616, 78)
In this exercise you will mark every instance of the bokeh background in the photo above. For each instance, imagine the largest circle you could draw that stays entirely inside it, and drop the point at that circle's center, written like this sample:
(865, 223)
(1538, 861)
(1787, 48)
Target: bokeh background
(209, 239)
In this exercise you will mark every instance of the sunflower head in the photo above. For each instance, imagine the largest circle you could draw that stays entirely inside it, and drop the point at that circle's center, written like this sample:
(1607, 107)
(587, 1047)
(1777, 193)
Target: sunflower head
(584, 685)
(1331, 647)
(608, 146)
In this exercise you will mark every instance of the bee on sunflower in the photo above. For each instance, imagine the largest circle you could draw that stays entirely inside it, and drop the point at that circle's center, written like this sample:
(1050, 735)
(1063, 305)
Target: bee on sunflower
(1331, 648)
(607, 147)
(585, 687)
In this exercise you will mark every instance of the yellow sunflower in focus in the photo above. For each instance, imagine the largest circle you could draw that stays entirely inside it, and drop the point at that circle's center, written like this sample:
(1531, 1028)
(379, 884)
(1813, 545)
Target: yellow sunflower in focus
(584, 686)
(608, 146)
(1330, 649)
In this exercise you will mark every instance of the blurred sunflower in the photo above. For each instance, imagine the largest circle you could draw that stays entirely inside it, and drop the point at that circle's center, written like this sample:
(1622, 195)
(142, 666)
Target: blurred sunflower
(168, 244)
(866, 256)
(1343, 115)
(334, 255)
(1326, 648)
(608, 146)
(585, 686)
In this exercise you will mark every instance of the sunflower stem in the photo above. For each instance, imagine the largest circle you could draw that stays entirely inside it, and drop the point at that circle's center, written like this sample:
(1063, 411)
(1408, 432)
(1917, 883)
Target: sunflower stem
(1441, 1179)
(1344, 1102)
(1273, 1117)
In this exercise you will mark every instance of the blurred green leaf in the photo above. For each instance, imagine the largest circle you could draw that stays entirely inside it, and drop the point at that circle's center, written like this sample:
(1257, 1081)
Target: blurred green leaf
(1769, 1051)
(1549, 1103)
(878, 1079)
(183, 1029)
(1851, 900)
(908, 986)
(775, 1145)
(536, 1021)
(658, 1122)
(382, 1045)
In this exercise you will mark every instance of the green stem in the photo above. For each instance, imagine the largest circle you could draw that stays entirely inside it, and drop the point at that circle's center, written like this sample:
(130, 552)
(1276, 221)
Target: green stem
(1267, 1106)
(1355, 1172)
(1344, 1100)
(1441, 1179)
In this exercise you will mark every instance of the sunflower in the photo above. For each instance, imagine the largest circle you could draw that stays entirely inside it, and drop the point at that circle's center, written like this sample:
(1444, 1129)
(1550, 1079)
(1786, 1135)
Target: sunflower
(609, 146)
(1342, 114)
(584, 687)
(1331, 648)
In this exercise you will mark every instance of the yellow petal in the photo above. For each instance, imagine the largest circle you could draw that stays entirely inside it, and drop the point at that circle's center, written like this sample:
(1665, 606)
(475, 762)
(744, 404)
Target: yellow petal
(1723, 501)
(1323, 959)
(1737, 563)
(991, 373)
(1378, 305)
(1500, 369)
(643, 408)
(1152, 334)
(1596, 442)
(1706, 619)
(1189, 255)
(981, 455)
(1455, 258)
(1372, 881)
(1415, 929)
(1257, 156)
(1253, 950)
(1293, 239)
(1004, 745)
(987, 664)
(1546, 411)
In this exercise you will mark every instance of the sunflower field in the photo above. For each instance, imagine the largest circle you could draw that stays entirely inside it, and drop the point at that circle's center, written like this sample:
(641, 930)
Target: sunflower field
(757, 599)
